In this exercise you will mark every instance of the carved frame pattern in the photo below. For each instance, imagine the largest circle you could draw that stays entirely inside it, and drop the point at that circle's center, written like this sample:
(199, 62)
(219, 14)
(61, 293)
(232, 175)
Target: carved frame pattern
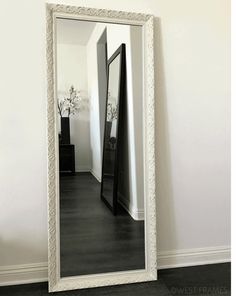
(56, 283)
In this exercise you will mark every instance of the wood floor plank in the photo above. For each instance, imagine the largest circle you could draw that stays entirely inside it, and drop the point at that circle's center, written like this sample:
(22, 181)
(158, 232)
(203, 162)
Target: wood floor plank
(93, 240)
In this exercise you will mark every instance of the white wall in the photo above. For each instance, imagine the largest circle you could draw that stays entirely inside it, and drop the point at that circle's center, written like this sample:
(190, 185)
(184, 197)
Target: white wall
(192, 127)
(72, 70)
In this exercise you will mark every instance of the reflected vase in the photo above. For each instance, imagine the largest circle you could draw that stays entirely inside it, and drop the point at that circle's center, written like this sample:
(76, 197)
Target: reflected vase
(65, 130)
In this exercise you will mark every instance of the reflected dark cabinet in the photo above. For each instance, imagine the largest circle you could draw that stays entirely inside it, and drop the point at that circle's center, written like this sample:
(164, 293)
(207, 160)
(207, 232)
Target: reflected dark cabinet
(67, 158)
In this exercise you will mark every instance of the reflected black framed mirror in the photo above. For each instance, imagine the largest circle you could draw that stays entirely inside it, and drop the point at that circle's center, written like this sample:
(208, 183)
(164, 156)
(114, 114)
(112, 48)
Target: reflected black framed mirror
(116, 84)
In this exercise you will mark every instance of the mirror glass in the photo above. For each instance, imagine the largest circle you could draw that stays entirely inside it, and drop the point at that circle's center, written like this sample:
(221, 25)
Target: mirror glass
(99, 83)
(110, 168)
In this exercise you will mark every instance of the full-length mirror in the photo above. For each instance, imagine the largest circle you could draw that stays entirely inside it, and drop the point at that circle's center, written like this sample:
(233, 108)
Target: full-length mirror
(101, 194)
(95, 177)
(116, 88)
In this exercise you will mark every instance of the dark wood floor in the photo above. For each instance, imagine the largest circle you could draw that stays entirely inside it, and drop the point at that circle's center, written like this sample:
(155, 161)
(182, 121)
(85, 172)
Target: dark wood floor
(93, 240)
(208, 280)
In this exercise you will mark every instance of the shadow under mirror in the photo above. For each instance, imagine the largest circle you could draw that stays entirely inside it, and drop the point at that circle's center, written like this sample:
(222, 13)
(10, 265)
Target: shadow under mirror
(100, 134)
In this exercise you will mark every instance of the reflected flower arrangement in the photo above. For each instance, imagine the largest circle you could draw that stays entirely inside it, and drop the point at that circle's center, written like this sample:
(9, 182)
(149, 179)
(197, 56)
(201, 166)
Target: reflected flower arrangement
(70, 105)
(111, 109)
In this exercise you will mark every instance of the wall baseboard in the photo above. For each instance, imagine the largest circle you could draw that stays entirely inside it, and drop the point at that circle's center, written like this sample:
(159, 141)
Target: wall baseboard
(135, 213)
(193, 257)
(38, 272)
(83, 169)
(95, 175)
(89, 170)
(23, 274)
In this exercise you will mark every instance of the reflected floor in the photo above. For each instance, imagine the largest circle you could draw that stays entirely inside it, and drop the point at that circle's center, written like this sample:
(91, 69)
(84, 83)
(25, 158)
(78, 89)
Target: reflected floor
(92, 239)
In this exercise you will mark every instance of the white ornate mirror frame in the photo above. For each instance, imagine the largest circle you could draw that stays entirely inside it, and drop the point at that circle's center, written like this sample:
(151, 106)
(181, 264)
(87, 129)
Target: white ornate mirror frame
(56, 283)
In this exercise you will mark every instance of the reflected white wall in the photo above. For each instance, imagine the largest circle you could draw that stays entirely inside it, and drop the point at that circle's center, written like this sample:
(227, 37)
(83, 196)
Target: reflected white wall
(102, 82)
(93, 92)
(130, 179)
(72, 70)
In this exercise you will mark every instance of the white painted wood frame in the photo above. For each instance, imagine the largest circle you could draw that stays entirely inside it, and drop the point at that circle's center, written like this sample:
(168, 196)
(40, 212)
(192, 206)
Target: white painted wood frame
(56, 283)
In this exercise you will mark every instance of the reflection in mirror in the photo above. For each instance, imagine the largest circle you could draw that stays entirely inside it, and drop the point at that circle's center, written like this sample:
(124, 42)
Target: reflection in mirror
(95, 118)
(115, 93)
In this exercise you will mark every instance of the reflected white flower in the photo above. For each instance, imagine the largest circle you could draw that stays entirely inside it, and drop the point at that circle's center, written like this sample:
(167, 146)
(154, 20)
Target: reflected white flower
(111, 111)
(70, 105)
